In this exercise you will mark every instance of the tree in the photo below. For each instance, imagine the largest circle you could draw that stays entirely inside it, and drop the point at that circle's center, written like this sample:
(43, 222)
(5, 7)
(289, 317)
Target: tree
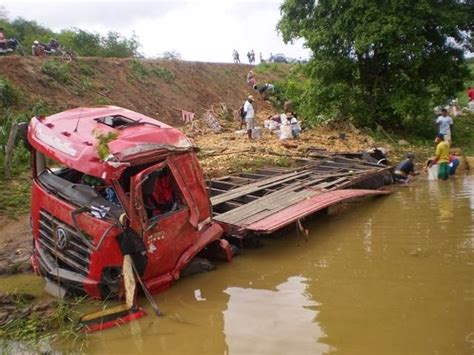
(171, 55)
(385, 62)
(84, 43)
(116, 45)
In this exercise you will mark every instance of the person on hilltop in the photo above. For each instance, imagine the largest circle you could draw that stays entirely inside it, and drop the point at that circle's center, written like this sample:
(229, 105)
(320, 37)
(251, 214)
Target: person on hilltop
(235, 55)
(37, 49)
(470, 93)
(3, 39)
(441, 157)
(249, 115)
(405, 169)
(252, 56)
(444, 123)
(249, 57)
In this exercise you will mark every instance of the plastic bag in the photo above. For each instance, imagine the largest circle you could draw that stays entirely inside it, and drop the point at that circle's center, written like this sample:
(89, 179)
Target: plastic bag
(433, 172)
(285, 132)
(270, 124)
(257, 133)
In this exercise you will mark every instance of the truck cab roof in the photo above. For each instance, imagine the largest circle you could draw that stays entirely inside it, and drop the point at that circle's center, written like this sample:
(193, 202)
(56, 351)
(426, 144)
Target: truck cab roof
(70, 137)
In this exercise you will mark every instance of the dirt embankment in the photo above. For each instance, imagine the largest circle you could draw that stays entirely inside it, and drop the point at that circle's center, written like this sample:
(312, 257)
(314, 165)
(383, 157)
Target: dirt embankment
(152, 87)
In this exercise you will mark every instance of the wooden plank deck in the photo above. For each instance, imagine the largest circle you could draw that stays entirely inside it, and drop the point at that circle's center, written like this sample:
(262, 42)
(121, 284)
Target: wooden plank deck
(246, 203)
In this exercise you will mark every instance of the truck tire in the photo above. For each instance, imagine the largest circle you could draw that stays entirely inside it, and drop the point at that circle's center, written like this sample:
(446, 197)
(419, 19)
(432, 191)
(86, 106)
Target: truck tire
(234, 249)
(197, 266)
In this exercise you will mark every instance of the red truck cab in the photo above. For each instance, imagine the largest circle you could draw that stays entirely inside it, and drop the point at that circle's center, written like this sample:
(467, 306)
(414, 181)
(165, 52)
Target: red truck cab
(146, 197)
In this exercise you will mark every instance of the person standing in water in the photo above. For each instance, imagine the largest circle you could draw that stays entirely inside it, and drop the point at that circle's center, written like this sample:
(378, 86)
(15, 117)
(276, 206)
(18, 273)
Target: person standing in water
(441, 157)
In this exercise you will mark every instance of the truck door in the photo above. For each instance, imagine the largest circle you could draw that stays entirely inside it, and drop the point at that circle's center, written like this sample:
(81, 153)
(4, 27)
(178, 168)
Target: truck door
(163, 217)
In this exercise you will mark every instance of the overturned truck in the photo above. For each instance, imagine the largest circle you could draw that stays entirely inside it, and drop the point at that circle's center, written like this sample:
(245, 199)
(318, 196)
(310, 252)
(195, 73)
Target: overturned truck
(111, 184)
(145, 198)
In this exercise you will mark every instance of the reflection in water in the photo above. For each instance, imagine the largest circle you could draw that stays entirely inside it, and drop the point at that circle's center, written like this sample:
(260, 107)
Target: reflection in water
(272, 322)
(368, 236)
(446, 210)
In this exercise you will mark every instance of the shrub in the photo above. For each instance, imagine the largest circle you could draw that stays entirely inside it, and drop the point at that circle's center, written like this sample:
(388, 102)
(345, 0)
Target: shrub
(163, 73)
(138, 70)
(40, 107)
(9, 95)
(56, 70)
(171, 55)
(85, 69)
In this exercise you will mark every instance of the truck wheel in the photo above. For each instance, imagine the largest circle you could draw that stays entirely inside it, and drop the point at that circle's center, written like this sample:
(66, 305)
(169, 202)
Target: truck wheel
(197, 266)
(234, 249)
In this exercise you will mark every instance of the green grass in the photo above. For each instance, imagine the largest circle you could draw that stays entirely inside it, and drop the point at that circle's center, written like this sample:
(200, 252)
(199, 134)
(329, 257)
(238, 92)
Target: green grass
(137, 70)
(9, 95)
(56, 70)
(463, 133)
(102, 101)
(144, 73)
(85, 69)
(41, 107)
(82, 86)
(57, 325)
(15, 196)
(277, 68)
(167, 75)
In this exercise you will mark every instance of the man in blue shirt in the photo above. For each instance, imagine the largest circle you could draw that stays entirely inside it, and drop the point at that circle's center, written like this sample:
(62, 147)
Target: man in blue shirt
(405, 169)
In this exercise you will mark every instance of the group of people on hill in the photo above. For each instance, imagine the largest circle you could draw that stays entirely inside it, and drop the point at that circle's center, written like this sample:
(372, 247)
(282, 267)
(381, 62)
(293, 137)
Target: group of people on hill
(250, 57)
(37, 49)
(287, 122)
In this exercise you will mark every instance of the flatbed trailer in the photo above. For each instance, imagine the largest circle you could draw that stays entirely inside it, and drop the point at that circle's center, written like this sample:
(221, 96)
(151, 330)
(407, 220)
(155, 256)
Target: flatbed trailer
(271, 198)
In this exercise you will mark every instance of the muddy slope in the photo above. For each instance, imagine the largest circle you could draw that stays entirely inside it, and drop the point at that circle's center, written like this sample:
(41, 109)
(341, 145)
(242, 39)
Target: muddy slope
(154, 88)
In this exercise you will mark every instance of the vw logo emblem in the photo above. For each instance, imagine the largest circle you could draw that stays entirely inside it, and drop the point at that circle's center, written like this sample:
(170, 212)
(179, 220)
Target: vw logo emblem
(61, 238)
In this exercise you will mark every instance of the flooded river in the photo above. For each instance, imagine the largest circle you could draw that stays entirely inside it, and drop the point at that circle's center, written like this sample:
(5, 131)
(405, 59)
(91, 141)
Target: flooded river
(391, 275)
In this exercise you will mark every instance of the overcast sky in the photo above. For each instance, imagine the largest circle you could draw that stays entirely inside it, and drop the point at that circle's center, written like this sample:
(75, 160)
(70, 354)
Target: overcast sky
(203, 30)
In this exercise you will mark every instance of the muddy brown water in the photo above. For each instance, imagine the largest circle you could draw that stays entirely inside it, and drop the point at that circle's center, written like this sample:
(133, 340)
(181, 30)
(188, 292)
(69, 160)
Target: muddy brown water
(391, 275)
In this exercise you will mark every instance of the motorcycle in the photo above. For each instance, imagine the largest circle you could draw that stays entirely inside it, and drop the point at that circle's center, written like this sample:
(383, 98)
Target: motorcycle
(53, 48)
(11, 46)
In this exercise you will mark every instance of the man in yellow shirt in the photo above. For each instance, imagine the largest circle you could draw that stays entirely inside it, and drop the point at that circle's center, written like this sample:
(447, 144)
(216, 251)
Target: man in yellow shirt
(442, 157)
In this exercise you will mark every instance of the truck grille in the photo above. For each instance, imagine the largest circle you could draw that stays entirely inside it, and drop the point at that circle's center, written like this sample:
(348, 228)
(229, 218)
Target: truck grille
(63, 244)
